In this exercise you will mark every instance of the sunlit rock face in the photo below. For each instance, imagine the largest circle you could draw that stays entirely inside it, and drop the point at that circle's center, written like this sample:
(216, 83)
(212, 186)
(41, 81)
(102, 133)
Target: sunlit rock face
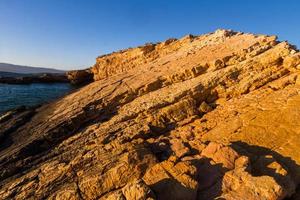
(201, 117)
(80, 77)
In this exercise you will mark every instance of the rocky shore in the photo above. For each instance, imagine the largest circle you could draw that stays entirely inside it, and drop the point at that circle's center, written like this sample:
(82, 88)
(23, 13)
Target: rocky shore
(75, 77)
(214, 116)
(39, 78)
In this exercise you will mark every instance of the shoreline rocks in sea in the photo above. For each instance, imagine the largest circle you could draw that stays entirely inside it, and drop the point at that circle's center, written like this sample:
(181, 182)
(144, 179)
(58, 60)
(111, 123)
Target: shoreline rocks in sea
(75, 77)
(40, 78)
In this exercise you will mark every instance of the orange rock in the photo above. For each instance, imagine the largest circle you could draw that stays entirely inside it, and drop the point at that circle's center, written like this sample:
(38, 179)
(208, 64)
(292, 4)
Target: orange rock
(138, 132)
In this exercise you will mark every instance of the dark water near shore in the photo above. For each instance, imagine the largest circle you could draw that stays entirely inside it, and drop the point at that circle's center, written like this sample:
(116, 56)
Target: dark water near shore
(13, 96)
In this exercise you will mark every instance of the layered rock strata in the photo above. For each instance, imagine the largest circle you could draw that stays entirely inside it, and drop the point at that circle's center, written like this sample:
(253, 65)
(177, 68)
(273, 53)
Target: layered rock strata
(202, 117)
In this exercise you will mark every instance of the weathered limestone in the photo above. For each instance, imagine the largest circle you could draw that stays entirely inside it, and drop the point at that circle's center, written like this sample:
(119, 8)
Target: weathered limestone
(202, 117)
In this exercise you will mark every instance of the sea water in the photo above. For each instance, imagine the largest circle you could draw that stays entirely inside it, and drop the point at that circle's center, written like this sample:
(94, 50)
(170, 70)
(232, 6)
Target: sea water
(13, 96)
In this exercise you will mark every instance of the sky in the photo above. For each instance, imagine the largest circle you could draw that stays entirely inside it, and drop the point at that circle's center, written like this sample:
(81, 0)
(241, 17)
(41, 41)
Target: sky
(70, 34)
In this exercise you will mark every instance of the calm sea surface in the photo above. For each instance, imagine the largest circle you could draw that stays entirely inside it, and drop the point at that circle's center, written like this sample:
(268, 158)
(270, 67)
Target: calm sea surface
(12, 96)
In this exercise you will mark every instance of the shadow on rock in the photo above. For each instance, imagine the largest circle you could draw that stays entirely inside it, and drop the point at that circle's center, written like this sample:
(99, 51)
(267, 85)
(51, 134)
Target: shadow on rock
(266, 162)
(239, 171)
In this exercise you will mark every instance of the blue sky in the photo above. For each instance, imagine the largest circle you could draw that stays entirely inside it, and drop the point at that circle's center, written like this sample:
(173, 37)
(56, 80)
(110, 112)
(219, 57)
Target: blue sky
(70, 34)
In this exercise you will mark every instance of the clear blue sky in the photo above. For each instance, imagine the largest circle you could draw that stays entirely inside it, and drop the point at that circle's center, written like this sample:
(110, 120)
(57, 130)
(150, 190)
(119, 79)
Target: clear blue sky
(70, 34)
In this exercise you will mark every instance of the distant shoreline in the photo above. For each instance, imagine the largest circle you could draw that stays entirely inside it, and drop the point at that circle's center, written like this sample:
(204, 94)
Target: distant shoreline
(40, 78)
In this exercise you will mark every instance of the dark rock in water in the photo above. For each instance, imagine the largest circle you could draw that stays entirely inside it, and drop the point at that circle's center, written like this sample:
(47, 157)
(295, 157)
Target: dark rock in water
(39, 78)
(80, 77)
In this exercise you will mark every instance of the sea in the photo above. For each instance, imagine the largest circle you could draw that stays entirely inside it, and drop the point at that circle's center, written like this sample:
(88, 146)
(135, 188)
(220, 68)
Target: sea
(13, 96)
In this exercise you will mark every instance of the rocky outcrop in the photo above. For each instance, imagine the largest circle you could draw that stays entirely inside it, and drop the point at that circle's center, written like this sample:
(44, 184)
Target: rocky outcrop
(80, 77)
(202, 117)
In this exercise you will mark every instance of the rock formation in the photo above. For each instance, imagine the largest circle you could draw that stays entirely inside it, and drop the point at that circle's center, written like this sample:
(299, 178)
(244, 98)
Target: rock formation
(80, 77)
(214, 116)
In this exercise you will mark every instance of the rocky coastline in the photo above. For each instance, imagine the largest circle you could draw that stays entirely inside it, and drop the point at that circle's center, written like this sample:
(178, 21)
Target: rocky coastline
(214, 116)
(75, 77)
(40, 78)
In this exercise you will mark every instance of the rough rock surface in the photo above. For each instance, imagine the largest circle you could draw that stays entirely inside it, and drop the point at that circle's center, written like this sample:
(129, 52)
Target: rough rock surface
(215, 116)
(80, 77)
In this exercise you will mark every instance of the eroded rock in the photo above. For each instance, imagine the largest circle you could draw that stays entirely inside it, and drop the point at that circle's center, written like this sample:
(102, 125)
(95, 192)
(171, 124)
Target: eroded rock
(80, 77)
(202, 117)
